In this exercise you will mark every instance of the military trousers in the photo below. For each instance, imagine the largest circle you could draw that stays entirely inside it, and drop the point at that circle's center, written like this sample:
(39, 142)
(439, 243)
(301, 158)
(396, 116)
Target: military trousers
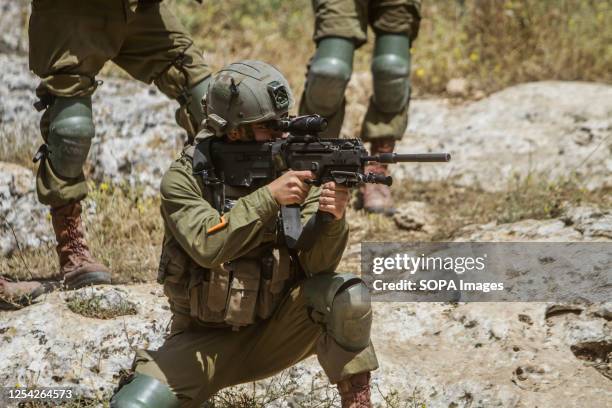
(196, 362)
(350, 19)
(71, 40)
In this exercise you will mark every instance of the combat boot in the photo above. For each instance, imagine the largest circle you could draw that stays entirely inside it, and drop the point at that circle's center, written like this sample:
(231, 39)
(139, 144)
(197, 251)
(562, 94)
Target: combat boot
(14, 295)
(376, 198)
(77, 266)
(355, 391)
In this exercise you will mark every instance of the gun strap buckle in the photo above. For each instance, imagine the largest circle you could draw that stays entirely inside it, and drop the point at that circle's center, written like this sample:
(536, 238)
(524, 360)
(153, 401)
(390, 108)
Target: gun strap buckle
(42, 152)
(43, 102)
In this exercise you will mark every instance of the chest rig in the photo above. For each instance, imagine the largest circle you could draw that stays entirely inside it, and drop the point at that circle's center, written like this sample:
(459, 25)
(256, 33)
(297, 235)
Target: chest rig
(242, 291)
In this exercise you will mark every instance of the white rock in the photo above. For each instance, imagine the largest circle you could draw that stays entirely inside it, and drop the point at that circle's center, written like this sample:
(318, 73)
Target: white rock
(414, 215)
(457, 87)
(534, 127)
(584, 223)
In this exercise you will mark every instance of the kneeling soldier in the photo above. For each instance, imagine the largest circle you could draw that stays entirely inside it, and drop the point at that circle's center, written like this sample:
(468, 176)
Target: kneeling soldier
(244, 305)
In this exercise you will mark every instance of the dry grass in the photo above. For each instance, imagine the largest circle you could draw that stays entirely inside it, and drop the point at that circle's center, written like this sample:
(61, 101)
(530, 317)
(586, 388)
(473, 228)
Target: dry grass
(124, 231)
(491, 43)
(497, 43)
(75, 403)
(19, 147)
(531, 197)
(280, 389)
(95, 306)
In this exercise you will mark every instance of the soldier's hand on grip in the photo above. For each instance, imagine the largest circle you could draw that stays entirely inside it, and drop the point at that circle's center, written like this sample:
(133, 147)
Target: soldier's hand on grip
(291, 187)
(334, 199)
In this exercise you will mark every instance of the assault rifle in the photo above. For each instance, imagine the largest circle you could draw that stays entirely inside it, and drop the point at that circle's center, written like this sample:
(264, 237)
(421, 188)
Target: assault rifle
(255, 164)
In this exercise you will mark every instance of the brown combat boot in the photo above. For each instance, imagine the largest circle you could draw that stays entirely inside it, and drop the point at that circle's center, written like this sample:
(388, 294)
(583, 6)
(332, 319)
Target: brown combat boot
(14, 295)
(355, 391)
(77, 266)
(376, 198)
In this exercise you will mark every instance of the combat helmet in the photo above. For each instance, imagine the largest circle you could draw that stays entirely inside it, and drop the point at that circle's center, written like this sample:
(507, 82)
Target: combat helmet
(246, 92)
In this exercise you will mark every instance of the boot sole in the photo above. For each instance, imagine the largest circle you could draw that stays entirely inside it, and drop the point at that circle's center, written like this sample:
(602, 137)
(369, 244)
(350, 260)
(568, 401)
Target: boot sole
(88, 279)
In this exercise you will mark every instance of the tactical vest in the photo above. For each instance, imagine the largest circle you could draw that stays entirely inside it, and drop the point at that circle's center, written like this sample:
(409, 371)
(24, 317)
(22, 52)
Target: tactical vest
(237, 293)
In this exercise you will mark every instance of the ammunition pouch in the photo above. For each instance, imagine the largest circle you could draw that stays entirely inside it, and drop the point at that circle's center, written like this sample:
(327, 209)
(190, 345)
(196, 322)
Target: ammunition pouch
(238, 293)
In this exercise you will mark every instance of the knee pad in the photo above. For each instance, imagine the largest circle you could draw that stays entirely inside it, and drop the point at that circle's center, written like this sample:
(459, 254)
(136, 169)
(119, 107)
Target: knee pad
(195, 104)
(191, 112)
(71, 129)
(342, 304)
(328, 75)
(391, 72)
(143, 391)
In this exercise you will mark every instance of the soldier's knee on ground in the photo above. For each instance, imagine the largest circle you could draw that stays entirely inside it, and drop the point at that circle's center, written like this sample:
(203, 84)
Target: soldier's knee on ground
(69, 134)
(391, 72)
(342, 304)
(140, 391)
(328, 74)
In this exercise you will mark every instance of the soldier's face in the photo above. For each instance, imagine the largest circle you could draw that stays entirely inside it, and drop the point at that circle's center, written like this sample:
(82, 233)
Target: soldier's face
(264, 134)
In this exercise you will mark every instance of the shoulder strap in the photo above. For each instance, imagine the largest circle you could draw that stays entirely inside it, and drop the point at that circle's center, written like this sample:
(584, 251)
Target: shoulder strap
(203, 167)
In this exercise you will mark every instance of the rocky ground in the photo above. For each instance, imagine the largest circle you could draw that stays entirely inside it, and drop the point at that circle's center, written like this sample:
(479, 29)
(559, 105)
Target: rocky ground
(439, 354)
(444, 355)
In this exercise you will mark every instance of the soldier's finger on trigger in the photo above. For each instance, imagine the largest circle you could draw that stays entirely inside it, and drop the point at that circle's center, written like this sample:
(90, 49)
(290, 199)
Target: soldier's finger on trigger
(304, 175)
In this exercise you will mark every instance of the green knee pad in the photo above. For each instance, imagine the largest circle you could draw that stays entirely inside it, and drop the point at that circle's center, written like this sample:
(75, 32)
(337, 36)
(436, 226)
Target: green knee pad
(342, 304)
(71, 129)
(328, 74)
(144, 391)
(196, 94)
(191, 112)
(391, 72)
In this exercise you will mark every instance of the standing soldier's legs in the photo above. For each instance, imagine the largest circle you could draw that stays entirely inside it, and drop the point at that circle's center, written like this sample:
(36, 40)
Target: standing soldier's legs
(194, 364)
(69, 43)
(158, 49)
(329, 72)
(340, 28)
(396, 25)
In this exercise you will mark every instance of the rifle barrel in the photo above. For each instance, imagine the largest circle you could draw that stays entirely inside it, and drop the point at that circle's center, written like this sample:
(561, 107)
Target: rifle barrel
(406, 157)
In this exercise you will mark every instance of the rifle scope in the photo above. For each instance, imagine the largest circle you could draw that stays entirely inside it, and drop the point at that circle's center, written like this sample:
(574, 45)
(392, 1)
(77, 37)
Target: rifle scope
(302, 125)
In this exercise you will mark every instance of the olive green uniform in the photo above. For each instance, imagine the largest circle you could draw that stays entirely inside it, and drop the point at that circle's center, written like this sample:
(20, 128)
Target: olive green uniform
(348, 20)
(213, 343)
(71, 40)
